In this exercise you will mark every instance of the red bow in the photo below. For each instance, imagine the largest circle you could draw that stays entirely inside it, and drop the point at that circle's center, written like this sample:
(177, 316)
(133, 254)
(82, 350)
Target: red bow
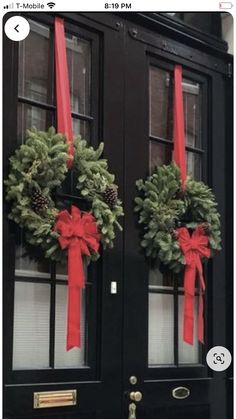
(194, 248)
(78, 233)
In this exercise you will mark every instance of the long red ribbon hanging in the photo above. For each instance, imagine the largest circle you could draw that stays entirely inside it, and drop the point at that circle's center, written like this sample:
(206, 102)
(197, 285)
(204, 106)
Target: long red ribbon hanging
(193, 247)
(64, 120)
(178, 134)
(64, 126)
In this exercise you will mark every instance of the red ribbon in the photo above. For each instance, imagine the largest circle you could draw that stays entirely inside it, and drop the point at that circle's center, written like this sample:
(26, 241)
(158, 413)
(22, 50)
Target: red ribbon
(79, 234)
(178, 135)
(194, 248)
(64, 120)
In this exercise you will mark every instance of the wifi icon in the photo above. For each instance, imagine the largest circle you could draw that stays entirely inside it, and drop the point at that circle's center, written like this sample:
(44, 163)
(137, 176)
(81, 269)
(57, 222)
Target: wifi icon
(51, 4)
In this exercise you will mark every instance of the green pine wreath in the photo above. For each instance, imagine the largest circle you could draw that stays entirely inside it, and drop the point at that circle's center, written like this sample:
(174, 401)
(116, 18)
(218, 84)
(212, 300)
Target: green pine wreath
(38, 167)
(163, 206)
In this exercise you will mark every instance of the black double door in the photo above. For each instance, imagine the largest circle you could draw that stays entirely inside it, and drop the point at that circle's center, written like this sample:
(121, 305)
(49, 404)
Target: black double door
(132, 338)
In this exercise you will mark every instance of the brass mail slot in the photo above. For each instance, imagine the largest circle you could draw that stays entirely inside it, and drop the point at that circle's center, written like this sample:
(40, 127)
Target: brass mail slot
(180, 393)
(45, 399)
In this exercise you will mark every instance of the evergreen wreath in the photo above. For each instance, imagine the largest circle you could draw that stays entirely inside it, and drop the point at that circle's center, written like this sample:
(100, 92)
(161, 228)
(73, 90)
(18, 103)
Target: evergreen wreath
(163, 206)
(38, 167)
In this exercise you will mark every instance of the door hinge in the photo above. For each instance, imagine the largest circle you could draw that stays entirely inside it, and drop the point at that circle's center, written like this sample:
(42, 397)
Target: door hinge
(229, 70)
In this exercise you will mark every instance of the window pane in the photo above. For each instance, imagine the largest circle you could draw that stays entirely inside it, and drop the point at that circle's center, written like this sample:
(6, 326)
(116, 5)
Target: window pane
(81, 128)
(158, 279)
(61, 271)
(79, 66)
(74, 358)
(31, 326)
(192, 113)
(160, 107)
(188, 354)
(26, 267)
(194, 165)
(160, 329)
(158, 154)
(36, 64)
(31, 116)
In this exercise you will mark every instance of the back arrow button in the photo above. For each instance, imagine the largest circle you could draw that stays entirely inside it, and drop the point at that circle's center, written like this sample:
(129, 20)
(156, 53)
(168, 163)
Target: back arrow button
(17, 28)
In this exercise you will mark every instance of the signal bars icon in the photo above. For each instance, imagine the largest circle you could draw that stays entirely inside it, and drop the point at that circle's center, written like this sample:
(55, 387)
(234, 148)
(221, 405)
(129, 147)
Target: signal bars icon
(8, 6)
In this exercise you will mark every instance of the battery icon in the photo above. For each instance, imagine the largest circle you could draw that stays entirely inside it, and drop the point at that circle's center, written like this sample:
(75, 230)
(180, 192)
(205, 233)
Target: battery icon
(225, 5)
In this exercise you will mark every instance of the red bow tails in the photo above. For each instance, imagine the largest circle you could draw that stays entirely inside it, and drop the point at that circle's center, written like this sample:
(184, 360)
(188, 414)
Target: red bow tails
(194, 248)
(79, 234)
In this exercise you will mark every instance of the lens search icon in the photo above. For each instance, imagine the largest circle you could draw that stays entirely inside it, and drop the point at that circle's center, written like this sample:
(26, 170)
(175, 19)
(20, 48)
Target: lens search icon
(219, 358)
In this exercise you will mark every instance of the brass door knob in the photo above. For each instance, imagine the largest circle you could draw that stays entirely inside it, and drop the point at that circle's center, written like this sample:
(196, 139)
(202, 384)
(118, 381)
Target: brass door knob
(136, 396)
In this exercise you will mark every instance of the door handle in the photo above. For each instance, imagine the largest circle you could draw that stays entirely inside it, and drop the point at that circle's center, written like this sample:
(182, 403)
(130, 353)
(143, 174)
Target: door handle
(135, 396)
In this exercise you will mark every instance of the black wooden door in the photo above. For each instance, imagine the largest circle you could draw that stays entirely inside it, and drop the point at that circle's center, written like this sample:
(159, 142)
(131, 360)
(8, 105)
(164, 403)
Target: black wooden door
(126, 64)
(35, 359)
(154, 350)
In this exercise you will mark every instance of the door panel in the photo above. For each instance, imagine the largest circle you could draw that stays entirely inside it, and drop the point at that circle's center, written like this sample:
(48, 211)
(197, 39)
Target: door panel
(154, 319)
(35, 293)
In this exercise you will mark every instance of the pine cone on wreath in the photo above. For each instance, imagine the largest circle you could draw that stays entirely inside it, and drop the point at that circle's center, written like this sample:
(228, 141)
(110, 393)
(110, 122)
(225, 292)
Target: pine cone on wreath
(38, 202)
(111, 196)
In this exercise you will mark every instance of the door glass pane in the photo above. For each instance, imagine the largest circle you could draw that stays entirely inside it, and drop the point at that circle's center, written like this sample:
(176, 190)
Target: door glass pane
(81, 128)
(27, 267)
(79, 66)
(163, 319)
(61, 271)
(160, 329)
(194, 165)
(74, 358)
(32, 116)
(35, 63)
(31, 326)
(158, 154)
(192, 113)
(158, 279)
(36, 82)
(160, 103)
(188, 354)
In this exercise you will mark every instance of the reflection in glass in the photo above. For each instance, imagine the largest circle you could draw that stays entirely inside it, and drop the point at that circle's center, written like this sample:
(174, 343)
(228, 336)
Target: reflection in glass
(32, 116)
(194, 165)
(31, 326)
(160, 103)
(156, 278)
(27, 267)
(35, 63)
(81, 128)
(79, 66)
(161, 107)
(61, 270)
(192, 113)
(158, 154)
(74, 358)
(160, 329)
